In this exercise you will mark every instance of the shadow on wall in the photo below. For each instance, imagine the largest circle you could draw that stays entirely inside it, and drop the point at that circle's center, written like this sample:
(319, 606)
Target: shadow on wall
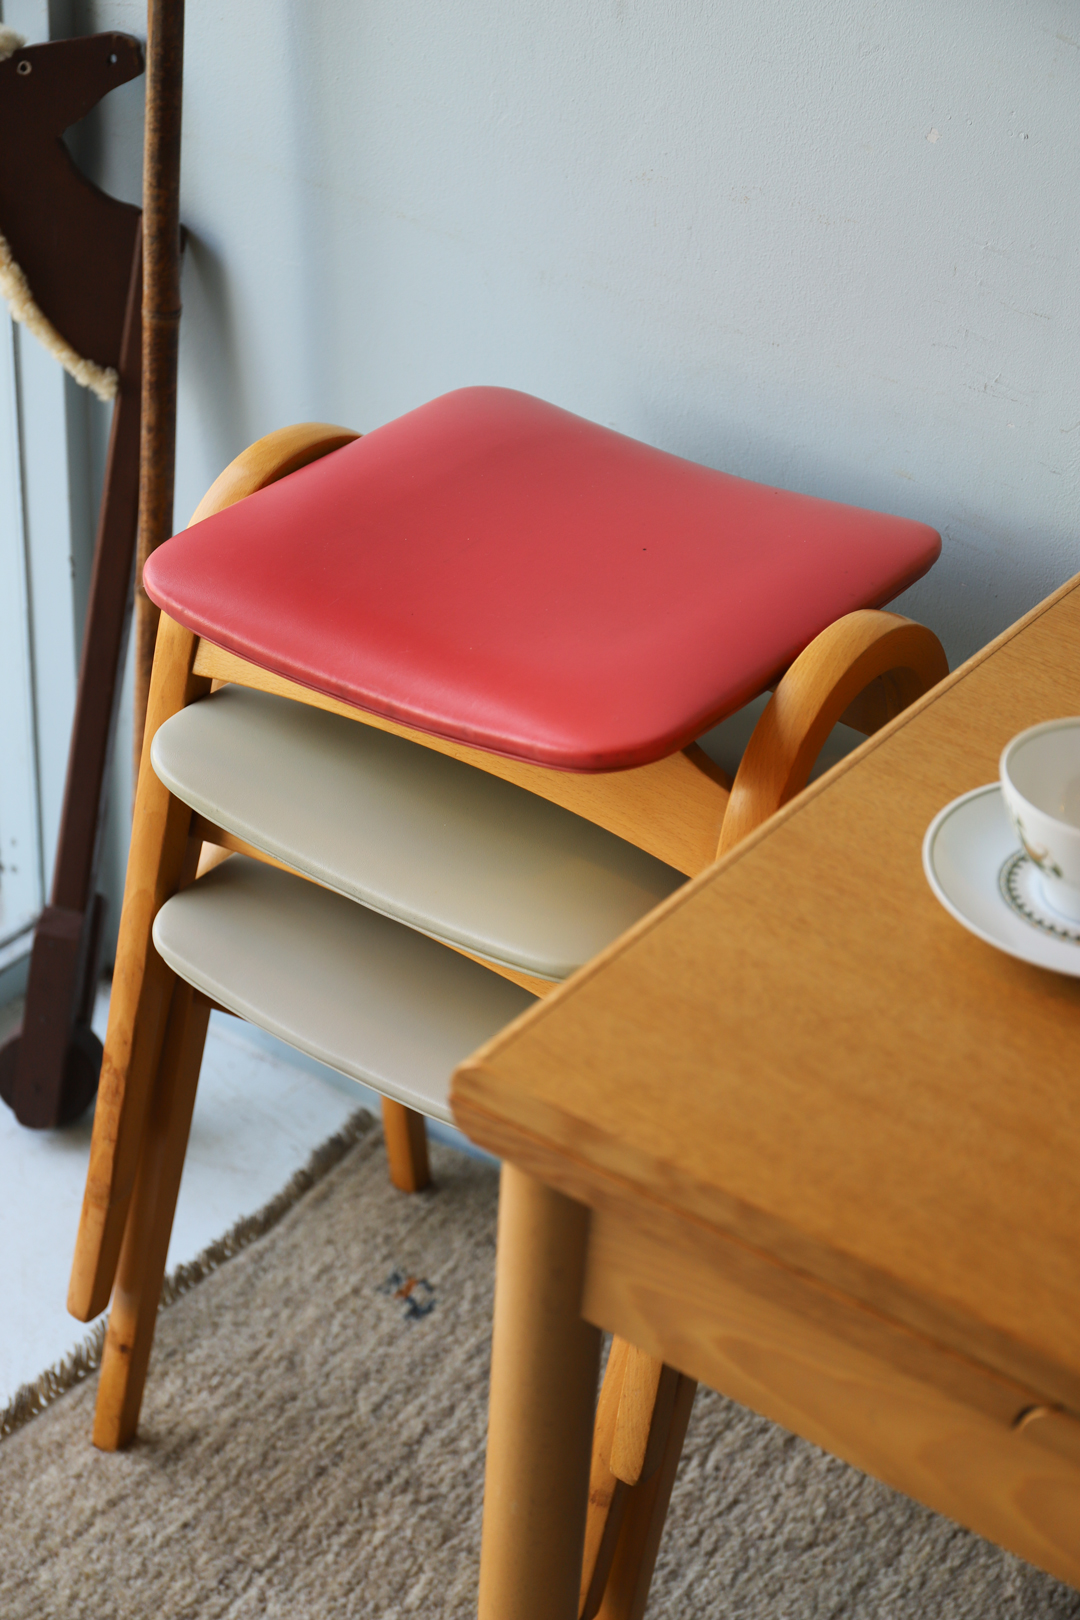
(212, 375)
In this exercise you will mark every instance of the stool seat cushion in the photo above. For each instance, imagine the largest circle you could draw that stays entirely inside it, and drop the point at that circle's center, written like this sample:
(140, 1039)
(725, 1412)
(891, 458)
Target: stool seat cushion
(360, 993)
(416, 835)
(497, 571)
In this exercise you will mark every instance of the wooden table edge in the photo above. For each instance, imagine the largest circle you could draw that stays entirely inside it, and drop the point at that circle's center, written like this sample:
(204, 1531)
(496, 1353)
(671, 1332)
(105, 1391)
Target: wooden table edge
(477, 1091)
(993, 1454)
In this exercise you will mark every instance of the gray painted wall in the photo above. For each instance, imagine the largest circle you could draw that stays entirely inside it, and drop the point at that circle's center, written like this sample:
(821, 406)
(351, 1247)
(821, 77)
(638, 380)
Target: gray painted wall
(830, 245)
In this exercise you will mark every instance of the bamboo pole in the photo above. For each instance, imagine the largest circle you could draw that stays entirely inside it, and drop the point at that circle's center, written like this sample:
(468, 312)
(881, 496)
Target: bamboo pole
(161, 319)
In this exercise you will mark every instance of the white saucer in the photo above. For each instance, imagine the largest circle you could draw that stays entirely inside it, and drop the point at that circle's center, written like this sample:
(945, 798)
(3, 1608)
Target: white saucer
(972, 862)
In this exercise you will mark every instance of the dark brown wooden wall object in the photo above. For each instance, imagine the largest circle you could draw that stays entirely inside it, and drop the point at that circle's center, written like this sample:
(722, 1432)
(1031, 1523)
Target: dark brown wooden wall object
(81, 252)
(72, 241)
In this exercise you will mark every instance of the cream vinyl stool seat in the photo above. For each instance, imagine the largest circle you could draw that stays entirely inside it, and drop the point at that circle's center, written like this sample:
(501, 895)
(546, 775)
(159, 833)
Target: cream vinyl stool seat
(473, 861)
(364, 995)
(527, 620)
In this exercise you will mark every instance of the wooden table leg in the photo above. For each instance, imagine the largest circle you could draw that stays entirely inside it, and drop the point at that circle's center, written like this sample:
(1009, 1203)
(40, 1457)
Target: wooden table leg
(544, 1366)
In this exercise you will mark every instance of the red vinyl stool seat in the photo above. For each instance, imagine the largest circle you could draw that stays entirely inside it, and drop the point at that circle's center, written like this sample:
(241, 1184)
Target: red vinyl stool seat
(496, 571)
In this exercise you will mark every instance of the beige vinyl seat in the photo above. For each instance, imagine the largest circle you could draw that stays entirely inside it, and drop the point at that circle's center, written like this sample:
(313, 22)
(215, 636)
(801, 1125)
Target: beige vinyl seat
(432, 850)
(435, 853)
(379, 1002)
(473, 861)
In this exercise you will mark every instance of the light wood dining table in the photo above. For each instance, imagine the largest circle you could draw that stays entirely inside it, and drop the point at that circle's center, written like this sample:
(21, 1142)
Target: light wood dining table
(810, 1142)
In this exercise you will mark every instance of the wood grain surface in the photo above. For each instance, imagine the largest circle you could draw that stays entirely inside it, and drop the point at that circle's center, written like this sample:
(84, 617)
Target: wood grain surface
(803, 1051)
(883, 659)
(976, 1457)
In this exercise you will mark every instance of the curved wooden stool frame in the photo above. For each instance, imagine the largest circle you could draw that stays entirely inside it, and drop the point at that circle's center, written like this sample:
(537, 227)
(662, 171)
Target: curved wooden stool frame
(865, 668)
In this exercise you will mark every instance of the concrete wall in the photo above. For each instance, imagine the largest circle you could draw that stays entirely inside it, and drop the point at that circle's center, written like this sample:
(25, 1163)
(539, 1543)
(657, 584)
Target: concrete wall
(830, 245)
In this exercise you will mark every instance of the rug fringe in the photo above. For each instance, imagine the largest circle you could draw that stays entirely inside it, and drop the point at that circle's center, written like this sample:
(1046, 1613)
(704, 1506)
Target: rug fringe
(31, 1399)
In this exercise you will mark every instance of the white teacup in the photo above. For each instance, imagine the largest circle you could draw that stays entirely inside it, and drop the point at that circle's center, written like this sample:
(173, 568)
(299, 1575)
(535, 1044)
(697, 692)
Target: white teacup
(1040, 783)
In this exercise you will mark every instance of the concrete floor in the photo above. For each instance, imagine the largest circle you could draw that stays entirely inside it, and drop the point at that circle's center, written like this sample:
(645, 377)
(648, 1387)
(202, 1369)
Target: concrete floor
(261, 1109)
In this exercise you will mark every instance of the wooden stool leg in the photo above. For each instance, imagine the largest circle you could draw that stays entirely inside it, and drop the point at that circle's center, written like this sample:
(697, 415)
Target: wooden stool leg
(627, 1590)
(607, 1493)
(543, 1387)
(405, 1134)
(633, 1426)
(133, 1313)
(141, 988)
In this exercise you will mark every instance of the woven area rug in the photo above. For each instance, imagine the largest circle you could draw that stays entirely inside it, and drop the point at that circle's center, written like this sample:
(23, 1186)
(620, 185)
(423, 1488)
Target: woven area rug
(312, 1445)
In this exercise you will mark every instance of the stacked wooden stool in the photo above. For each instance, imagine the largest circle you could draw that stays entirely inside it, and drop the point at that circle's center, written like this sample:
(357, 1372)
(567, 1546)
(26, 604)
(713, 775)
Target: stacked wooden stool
(420, 743)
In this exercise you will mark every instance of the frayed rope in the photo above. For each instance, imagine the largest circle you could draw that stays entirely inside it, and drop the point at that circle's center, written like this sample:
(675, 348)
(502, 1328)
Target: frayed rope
(32, 1399)
(101, 380)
